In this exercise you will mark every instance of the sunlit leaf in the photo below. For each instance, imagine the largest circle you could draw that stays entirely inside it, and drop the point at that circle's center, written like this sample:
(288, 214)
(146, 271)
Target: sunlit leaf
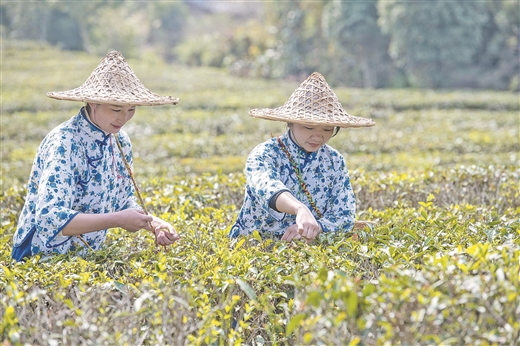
(294, 323)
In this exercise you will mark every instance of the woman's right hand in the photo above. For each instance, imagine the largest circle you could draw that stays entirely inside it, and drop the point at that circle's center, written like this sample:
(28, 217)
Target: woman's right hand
(291, 234)
(305, 227)
(134, 220)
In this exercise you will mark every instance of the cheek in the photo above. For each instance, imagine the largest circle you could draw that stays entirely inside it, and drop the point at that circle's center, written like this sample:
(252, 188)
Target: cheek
(112, 118)
(328, 136)
(302, 137)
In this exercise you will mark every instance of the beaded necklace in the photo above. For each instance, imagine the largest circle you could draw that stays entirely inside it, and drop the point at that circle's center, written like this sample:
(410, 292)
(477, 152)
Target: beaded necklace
(114, 166)
(127, 165)
(300, 179)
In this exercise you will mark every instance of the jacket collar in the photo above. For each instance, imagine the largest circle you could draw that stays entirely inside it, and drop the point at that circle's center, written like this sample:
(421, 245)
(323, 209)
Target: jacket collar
(91, 129)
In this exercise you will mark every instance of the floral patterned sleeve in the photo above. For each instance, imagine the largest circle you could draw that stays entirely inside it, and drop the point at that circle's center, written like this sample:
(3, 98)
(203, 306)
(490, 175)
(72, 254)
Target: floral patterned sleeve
(341, 213)
(55, 190)
(263, 175)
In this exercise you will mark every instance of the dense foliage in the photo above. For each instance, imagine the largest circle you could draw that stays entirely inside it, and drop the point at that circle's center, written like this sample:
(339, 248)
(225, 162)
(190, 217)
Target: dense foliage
(439, 173)
(370, 43)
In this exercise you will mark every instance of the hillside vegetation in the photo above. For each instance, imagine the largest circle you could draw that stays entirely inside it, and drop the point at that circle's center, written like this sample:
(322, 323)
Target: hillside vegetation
(439, 173)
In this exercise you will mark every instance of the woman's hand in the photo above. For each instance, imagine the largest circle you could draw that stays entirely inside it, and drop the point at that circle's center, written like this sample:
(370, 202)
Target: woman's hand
(134, 220)
(306, 227)
(291, 233)
(164, 232)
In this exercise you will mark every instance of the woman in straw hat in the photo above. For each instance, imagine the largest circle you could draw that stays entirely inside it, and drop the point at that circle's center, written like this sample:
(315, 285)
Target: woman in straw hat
(297, 185)
(81, 181)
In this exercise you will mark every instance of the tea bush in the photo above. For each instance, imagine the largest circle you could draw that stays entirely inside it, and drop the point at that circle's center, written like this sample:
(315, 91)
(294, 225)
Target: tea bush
(439, 173)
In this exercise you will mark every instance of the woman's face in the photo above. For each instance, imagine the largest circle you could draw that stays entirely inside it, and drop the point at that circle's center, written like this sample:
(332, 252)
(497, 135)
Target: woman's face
(311, 137)
(111, 118)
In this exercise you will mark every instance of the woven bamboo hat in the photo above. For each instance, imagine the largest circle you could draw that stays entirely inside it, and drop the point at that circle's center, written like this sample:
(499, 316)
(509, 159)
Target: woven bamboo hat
(313, 103)
(114, 82)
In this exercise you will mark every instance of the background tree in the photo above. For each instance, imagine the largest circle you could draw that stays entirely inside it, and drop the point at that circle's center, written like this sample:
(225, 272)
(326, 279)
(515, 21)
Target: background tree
(168, 22)
(301, 47)
(356, 43)
(433, 40)
(371, 43)
(26, 22)
(498, 58)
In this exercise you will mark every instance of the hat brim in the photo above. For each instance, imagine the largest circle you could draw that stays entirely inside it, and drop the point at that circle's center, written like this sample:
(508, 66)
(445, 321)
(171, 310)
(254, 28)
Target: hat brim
(152, 100)
(277, 114)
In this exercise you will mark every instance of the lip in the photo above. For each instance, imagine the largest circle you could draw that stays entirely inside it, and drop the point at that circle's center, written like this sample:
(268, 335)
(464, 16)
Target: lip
(117, 126)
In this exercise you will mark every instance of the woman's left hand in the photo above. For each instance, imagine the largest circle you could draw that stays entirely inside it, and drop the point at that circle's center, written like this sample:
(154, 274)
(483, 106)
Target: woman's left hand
(164, 232)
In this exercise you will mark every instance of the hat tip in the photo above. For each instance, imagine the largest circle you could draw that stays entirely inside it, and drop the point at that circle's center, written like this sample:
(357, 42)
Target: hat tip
(317, 75)
(114, 54)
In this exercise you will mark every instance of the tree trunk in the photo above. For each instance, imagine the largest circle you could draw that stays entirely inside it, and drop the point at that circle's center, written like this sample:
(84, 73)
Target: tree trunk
(367, 73)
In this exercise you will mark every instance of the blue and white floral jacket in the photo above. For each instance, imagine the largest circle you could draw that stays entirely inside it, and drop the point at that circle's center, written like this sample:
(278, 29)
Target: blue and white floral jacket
(77, 169)
(269, 171)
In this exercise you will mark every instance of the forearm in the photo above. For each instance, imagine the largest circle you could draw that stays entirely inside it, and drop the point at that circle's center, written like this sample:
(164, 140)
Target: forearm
(287, 203)
(86, 223)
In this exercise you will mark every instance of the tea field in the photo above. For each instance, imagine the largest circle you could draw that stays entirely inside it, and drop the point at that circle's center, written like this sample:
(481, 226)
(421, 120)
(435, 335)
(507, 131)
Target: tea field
(439, 173)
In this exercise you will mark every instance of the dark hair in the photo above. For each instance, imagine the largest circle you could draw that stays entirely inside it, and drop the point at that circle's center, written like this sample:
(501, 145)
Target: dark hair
(88, 108)
(336, 129)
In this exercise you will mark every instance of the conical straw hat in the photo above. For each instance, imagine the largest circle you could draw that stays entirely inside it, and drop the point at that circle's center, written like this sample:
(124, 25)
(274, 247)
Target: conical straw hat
(114, 82)
(313, 103)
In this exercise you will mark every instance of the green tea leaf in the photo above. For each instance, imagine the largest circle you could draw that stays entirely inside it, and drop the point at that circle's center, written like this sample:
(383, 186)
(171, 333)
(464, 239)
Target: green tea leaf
(293, 324)
(244, 286)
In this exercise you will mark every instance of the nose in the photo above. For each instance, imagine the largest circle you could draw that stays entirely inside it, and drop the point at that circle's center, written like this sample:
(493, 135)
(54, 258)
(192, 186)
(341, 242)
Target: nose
(318, 134)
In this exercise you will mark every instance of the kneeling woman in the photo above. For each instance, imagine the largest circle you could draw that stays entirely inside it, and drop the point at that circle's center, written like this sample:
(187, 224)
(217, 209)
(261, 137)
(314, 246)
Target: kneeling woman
(297, 185)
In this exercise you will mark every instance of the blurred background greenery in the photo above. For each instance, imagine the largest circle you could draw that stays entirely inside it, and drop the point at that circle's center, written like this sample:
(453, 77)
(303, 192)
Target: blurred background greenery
(369, 44)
